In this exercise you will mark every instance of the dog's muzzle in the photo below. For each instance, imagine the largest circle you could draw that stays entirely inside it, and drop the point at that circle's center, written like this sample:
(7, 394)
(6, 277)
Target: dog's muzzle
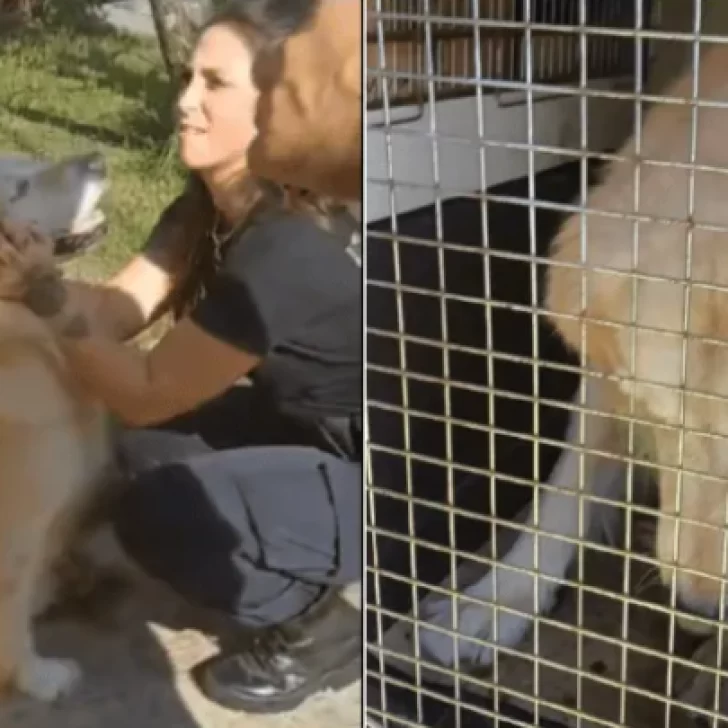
(69, 246)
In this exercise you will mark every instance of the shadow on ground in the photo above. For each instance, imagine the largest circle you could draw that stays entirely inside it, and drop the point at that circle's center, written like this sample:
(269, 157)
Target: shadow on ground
(152, 119)
(131, 678)
(138, 645)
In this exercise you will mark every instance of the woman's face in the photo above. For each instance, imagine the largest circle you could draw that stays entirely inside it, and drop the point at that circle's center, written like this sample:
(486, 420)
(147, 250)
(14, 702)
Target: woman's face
(217, 105)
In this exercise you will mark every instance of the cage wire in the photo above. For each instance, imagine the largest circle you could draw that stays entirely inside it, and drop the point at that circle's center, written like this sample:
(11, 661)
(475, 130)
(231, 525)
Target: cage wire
(469, 388)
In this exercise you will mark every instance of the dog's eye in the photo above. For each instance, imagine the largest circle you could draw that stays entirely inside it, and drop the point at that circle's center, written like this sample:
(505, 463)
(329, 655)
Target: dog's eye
(21, 190)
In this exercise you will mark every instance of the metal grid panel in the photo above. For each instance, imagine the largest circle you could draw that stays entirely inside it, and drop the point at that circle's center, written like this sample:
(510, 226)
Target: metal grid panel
(473, 404)
(497, 45)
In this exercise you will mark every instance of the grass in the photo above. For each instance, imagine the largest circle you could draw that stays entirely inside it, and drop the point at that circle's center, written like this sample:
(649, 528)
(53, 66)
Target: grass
(69, 90)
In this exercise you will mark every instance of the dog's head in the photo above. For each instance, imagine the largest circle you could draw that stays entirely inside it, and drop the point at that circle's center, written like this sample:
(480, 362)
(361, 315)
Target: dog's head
(60, 198)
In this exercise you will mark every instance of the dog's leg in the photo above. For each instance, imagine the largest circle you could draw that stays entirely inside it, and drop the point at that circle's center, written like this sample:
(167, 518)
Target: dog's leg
(509, 584)
(44, 593)
(44, 679)
(59, 556)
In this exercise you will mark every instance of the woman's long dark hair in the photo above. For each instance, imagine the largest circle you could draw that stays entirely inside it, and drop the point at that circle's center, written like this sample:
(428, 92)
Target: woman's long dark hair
(264, 25)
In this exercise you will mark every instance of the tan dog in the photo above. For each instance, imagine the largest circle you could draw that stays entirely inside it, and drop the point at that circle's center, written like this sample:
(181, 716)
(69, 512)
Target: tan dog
(54, 445)
(678, 379)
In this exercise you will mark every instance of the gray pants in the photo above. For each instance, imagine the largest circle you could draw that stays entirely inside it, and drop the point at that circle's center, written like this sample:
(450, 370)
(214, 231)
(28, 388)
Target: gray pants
(242, 510)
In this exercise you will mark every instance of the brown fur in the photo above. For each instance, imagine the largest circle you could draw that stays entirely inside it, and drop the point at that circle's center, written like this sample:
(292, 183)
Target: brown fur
(53, 450)
(660, 313)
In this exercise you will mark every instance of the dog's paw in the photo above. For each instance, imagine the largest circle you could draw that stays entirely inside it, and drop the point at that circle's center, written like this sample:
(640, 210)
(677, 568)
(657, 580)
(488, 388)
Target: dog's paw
(473, 621)
(48, 679)
(515, 592)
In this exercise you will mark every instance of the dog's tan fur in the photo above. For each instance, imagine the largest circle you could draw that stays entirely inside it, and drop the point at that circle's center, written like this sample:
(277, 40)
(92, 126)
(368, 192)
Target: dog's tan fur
(54, 449)
(660, 313)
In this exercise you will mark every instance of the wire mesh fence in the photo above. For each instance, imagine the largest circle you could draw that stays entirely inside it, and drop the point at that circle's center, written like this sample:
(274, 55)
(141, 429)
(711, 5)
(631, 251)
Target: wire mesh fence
(546, 387)
(462, 42)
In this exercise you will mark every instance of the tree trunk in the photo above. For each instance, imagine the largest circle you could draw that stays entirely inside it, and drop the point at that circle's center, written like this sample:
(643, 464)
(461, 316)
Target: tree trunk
(177, 23)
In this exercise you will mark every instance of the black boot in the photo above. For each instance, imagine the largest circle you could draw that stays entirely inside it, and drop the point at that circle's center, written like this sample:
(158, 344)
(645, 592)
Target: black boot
(276, 669)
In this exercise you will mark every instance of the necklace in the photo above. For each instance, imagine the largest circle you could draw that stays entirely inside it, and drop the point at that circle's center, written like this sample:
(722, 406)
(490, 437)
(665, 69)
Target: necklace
(220, 240)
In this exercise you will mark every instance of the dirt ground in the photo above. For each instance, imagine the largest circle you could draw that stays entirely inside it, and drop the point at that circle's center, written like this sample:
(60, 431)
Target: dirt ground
(136, 646)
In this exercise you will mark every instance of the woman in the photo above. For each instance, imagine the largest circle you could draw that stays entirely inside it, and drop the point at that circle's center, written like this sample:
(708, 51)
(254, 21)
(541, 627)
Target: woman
(245, 499)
